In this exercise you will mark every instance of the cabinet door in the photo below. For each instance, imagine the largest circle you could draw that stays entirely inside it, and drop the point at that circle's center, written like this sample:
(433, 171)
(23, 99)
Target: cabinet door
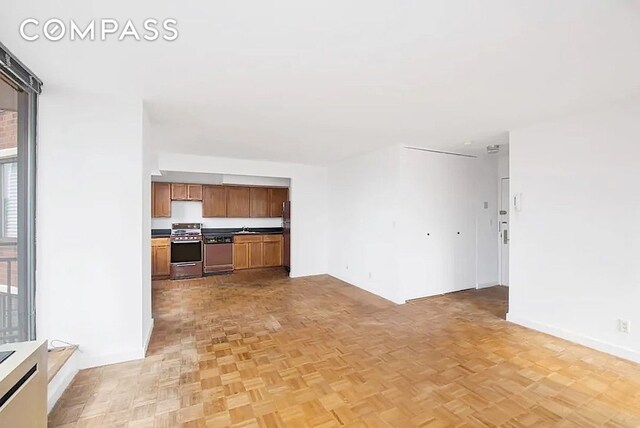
(259, 202)
(160, 258)
(214, 201)
(276, 198)
(238, 201)
(255, 255)
(240, 256)
(272, 253)
(161, 200)
(163, 260)
(194, 192)
(178, 192)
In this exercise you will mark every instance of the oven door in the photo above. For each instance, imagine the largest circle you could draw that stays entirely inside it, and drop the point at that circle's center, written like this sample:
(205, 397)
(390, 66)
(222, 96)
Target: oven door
(186, 252)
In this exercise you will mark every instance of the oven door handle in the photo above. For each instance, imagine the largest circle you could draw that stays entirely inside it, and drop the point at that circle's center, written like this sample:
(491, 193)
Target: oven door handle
(185, 264)
(186, 242)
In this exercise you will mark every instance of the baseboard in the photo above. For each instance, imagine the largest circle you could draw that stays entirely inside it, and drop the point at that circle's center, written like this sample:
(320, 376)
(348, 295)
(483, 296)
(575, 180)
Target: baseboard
(86, 362)
(62, 380)
(618, 351)
(487, 285)
(296, 274)
(148, 338)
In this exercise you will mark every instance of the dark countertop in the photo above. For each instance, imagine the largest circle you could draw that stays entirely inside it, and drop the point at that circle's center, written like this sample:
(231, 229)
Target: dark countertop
(160, 233)
(234, 231)
(165, 233)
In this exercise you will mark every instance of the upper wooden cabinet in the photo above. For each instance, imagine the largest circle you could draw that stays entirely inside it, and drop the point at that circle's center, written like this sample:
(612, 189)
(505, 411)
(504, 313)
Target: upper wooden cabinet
(214, 201)
(178, 192)
(220, 201)
(259, 204)
(186, 192)
(160, 199)
(238, 201)
(194, 192)
(277, 197)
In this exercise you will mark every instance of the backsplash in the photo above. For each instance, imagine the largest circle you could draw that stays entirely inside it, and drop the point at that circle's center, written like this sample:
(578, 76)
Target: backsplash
(191, 212)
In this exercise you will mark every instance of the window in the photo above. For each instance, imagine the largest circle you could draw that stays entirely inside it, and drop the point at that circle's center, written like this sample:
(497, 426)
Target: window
(9, 194)
(18, 101)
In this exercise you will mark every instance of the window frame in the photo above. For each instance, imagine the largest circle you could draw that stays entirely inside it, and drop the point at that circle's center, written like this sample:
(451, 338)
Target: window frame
(26, 218)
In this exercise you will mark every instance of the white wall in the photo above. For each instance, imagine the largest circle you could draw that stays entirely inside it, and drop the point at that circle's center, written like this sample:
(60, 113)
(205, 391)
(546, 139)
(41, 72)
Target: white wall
(383, 204)
(308, 195)
(90, 224)
(575, 245)
(208, 178)
(486, 175)
(363, 202)
(443, 195)
(503, 164)
(148, 165)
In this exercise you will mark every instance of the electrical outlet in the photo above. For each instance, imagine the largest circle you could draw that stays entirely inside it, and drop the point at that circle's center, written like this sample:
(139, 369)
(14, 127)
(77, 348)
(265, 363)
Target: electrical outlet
(369, 275)
(346, 267)
(624, 326)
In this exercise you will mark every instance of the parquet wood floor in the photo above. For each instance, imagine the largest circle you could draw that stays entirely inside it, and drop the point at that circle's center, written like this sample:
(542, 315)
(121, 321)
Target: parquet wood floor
(263, 350)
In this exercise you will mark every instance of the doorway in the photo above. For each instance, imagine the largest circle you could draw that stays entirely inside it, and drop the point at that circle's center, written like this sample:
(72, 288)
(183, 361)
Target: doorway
(504, 231)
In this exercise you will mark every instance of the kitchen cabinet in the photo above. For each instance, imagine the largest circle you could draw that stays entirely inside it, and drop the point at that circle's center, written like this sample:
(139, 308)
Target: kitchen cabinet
(160, 258)
(257, 251)
(240, 255)
(277, 196)
(214, 201)
(255, 255)
(220, 201)
(186, 192)
(272, 250)
(238, 201)
(178, 192)
(194, 192)
(259, 202)
(160, 199)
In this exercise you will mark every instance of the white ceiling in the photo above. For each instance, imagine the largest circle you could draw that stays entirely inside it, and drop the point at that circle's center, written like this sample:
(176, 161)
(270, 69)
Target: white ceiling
(313, 82)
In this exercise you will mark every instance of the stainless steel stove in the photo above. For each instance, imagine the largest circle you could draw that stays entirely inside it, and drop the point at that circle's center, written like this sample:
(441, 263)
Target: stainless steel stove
(186, 250)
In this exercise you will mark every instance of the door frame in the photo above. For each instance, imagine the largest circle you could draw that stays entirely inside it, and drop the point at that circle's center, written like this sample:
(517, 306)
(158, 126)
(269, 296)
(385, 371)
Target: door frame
(500, 245)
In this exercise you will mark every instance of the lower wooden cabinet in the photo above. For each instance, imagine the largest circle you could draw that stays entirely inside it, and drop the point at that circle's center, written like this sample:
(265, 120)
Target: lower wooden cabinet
(160, 258)
(255, 255)
(240, 255)
(257, 251)
(272, 250)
